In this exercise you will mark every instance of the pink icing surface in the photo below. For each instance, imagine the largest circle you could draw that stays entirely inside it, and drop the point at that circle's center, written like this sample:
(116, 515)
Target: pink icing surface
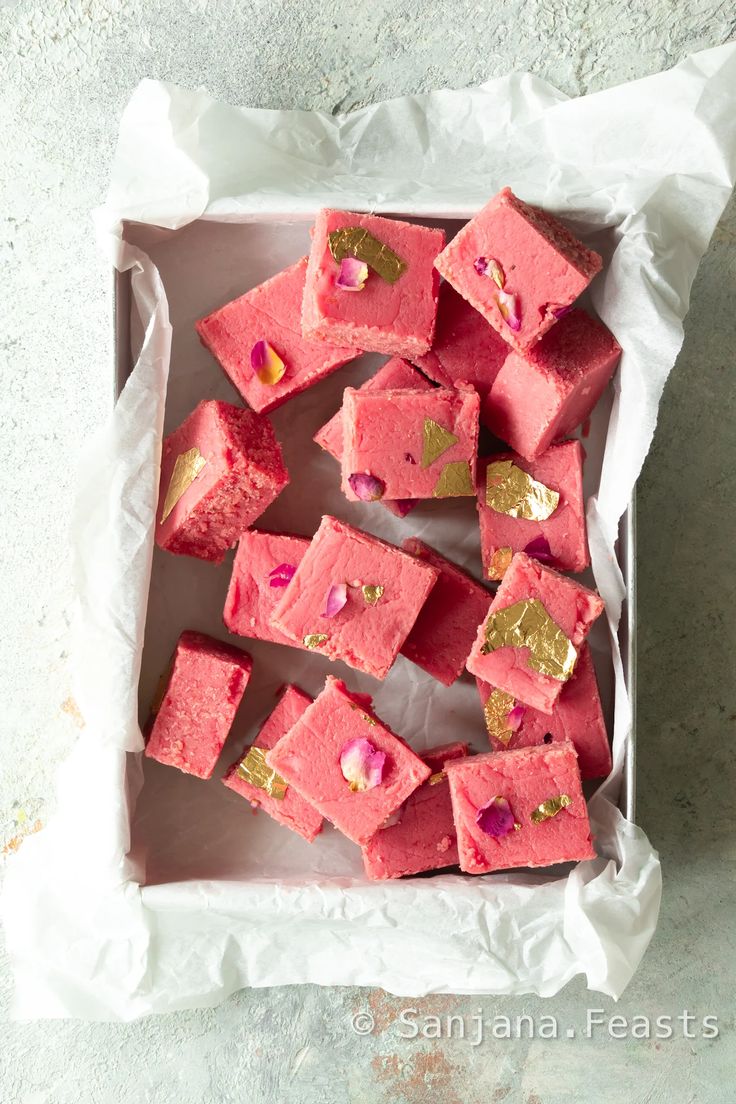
(424, 836)
(561, 469)
(207, 681)
(384, 433)
(446, 627)
(525, 778)
(367, 637)
(270, 312)
(251, 599)
(571, 606)
(397, 318)
(542, 262)
(577, 716)
(547, 393)
(243, 474)
(308, 757)
(292, 810)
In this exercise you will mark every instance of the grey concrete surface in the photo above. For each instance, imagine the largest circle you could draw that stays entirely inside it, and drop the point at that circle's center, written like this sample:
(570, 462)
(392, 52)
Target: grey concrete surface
(66, 70)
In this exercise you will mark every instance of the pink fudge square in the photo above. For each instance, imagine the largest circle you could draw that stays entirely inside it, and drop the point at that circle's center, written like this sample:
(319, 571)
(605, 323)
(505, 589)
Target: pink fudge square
(560, 469)
(548, 392)
(541, 264)
(270, 312)
(394, 318)
(219, 471)
(395, 374)
(291, 810)
(423, 837)
(203, 689)
(369, 630)
(465, 347)
(571, 607)
(446, 627)
(308, 758)
(577, 717)
(526, 779)
(256, 584)
(417, 444)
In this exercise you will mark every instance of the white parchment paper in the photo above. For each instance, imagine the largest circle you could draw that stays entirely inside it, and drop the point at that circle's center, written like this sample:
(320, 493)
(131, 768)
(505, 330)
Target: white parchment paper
(642, 172)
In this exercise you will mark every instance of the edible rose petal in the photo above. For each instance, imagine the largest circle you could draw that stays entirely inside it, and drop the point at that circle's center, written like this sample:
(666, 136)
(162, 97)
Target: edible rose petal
(404, 506)
(281, 575)
(495, 818)
(539, 549)
(266, 363)
(489, 266)
(337, 596)
(515, 717)
(508, 304)
(352, 275)
(480, 264)
(560, 312)
(366, 487)
(362, 764)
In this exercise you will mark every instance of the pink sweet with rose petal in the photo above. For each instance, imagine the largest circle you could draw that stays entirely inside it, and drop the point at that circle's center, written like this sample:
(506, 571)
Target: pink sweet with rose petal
(259, 580)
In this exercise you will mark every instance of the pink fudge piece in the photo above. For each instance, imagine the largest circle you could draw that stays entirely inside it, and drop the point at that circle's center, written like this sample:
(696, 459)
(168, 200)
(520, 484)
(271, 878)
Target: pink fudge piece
(369, 630)
(541, 267)
(219, 471)
(548, 392)
(257, 585)
(395, 374)
(562, 537)
(423, 837)
(572, 609)
(394, 318)
(308, 758)
(465, 347)
(446, 627)
(270, 312)
(526, 779)
(577, 717)
(206, 682)
(291, 810)
(417, 444)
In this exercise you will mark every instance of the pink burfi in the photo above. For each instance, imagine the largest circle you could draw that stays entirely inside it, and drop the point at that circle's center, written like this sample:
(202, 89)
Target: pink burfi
(465, 347)
(395, 374)
(577, 717)
(410, 444)
(314, 759)
(270, 312)
(263, 566)
(518, 266)
(395, 310)
(548, 392)
(525, 808)
(528, 645)
(354, 597)
(543, 515)
(421, 835)
(250, 777)
(205, 684)
(219, 471)
(446, 627)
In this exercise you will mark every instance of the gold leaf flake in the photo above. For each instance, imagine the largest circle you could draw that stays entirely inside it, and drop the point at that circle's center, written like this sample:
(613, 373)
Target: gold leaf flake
(527, 624)
(255, 769)
(550, 808)
(513, 492)
(496, 712)
(372, 594)
(368, 719)
(186, 469)
(499, 562)
(455, 480)
(438, 776)
(355, 241)
(435, 440)
(314, 640)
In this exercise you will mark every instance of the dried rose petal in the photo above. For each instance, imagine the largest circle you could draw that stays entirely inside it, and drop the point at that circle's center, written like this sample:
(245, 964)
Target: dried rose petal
(352, 275)
(362, 764)
(495, 818)
(366, 487)
(559, 312)
(480, 264)
(404, 506)
(266, 363)
(514, 717)
(539, 549)
(488, 266)
(337, 596)
(282, 575)
(508, 304)
(409, 458)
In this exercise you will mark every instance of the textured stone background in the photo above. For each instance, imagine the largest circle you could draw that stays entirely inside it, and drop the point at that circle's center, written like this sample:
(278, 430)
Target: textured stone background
(66, 70)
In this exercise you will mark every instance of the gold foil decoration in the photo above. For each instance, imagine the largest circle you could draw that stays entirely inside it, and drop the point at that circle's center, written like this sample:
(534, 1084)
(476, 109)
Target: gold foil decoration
(550, 808)
(435, 440)
(372, 594)
(255, 769)
(511, 491)
(186, 469)
(438, 776)
(355, 241)
(527, 624)
(496, 712)
(314, 640)
(499, 563)
(455, 480)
